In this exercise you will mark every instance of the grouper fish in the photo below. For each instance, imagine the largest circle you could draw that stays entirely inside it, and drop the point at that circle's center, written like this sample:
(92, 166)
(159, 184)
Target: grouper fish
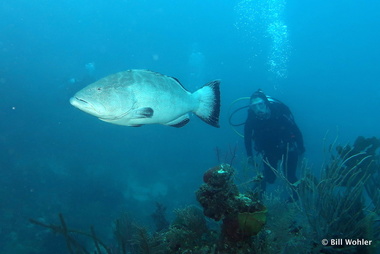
(139, 97)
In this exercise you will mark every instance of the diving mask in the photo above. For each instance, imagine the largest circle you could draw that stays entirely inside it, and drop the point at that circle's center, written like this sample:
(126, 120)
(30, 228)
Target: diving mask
(260, 108)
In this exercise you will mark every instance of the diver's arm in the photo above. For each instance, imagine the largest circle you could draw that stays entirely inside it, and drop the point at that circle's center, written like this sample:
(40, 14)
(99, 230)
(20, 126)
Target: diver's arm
(296, 132)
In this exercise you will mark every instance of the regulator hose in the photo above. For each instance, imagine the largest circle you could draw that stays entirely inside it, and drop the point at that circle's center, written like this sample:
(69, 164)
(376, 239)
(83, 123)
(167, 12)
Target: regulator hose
(233, 125)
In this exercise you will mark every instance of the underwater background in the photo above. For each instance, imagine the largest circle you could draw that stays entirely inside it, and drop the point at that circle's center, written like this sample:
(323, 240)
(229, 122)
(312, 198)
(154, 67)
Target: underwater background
(321, 58)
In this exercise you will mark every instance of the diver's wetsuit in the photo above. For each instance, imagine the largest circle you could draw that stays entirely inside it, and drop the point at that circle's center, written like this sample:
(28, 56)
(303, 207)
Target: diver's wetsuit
(275, 138)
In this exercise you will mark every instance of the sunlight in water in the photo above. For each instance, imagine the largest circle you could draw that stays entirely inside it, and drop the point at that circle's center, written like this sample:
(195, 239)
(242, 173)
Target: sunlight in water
(262, 20)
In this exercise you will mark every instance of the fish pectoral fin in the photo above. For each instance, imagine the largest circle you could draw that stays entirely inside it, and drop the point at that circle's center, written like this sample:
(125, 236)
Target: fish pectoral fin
(179, 122)
(143, 112)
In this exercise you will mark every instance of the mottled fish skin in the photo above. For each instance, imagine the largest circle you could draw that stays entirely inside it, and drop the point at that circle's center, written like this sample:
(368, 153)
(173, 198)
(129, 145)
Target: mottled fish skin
(138, 97)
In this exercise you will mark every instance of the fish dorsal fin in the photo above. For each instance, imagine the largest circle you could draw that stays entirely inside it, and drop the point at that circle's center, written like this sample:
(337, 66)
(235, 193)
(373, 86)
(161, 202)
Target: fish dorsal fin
(175, 79)
(179, 82)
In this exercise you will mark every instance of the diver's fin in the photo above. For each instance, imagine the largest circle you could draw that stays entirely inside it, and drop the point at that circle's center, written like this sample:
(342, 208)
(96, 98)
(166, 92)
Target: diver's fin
(143, 112)
(179, 122)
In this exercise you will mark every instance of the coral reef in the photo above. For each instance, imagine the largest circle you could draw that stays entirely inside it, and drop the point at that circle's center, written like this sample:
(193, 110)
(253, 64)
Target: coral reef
(332, 206)
(189, 233)
(358, 159)
(123, 231)
(335, 205)
(242, 214)
(73, 245)
(159, 217)
(286, 230)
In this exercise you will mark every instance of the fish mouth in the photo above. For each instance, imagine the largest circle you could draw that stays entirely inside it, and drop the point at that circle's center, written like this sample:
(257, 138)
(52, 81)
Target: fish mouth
(83, 105)
(79, 103)
(91, 109)
(75, 100)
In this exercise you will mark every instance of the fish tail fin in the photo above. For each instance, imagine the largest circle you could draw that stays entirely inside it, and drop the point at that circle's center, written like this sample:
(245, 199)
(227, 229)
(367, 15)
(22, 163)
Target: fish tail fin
(209, 103)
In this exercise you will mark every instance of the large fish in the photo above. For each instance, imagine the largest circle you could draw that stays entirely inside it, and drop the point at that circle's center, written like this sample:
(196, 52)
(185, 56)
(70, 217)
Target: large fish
(138, 97)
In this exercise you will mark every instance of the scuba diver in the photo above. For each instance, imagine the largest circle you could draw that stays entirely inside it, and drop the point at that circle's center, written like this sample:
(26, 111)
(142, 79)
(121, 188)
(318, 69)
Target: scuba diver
(276, 136)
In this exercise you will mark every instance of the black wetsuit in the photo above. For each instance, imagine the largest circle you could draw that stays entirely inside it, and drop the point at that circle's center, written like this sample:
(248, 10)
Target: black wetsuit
(276, 138)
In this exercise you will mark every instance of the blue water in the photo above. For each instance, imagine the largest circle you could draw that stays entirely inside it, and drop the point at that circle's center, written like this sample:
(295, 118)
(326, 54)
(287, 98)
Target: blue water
(319, 57)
